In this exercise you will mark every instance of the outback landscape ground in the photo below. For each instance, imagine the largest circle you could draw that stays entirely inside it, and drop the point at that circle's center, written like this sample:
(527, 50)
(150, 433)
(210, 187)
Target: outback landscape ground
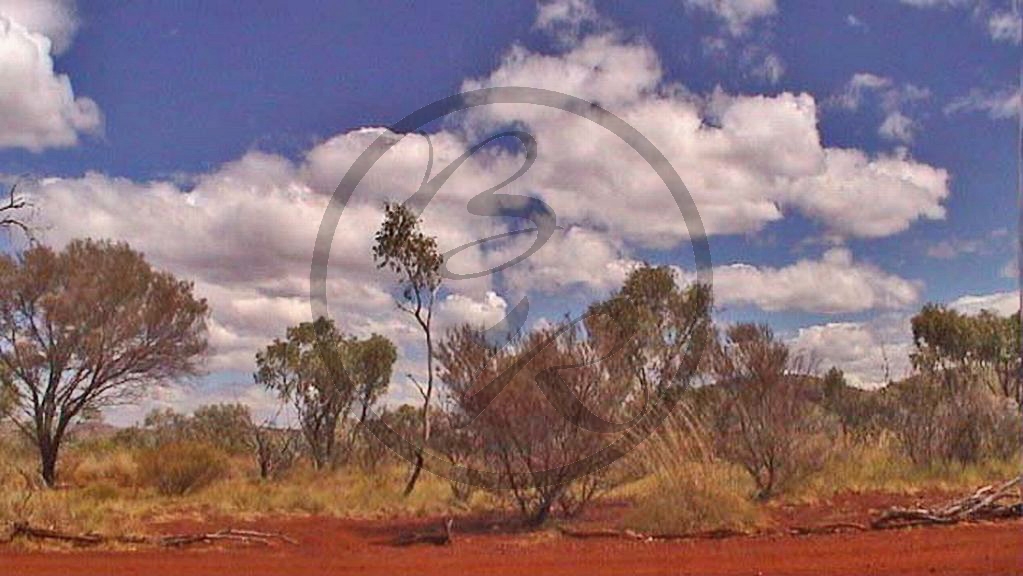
(271, 300)
(487, 545)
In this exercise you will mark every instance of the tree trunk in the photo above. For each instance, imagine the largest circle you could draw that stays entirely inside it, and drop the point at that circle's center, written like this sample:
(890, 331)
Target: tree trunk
(48, 462)
(416, 469)
(544, 511)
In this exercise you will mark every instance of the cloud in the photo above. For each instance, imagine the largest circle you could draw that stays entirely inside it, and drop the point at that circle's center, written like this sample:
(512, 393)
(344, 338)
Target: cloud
(899, 127)
(854, 22)
(770, 69)
(1003, 303)
(892, 98)
(834, 284)
(998, 104)
(54, 19)
(936, 3)
(863, 350)
(245, 232)
(38, 108)
(1010, 270)
(951, 249)
(457, 309)
(565, 18)
(1002, 25)
(574, 258)
(1005, 27)
(736, 14)
(871, 198)
(743, 158)
(870, 353)
(859, 84)
(890, 94)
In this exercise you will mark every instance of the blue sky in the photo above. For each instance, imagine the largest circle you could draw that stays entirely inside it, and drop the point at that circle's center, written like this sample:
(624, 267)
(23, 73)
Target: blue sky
(856, 159)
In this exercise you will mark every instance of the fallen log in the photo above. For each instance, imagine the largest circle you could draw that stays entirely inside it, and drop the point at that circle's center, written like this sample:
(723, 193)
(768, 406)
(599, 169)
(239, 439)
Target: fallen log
(656, 536)
(834, 528)
(983, 504)
(601, 533)
(23, 529)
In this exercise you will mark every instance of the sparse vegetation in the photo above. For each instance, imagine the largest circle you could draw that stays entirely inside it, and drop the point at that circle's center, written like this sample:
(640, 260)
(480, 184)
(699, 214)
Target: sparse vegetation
(696, 497)
(90, 326)
(753, 422)
(180, 468)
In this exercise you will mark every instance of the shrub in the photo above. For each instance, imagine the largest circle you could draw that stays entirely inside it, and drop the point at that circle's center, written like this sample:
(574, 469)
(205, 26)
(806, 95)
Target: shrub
(229, 427)
(936, 424)
(765, 418)
(520, 434)
(115, 468)
(179, 468)
(276, 451)
(544, 407)
(695, 497)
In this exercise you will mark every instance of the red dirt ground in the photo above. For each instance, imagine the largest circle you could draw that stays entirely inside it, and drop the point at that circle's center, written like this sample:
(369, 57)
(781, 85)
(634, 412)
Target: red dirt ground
(338, 546)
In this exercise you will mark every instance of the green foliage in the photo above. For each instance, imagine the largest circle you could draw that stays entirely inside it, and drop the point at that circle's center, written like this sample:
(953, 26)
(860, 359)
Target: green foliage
(957, 348)
(662, 331)
(181, 468)
(323, 374)
(410, 253)
(228, 427)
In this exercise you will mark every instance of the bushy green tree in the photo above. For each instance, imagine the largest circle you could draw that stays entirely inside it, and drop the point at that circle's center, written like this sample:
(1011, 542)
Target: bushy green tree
(323, 374)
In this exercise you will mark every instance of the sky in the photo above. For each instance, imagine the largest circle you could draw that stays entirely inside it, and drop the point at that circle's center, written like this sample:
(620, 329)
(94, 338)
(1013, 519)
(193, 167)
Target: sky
(850, 161)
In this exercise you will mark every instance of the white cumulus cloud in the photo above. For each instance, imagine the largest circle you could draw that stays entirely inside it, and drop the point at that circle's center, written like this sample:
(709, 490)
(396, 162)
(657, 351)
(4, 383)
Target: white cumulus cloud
(834, 284)
(38, 107)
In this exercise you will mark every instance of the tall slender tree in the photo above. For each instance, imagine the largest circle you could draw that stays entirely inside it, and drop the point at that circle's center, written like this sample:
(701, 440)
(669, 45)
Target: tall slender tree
(405, 249)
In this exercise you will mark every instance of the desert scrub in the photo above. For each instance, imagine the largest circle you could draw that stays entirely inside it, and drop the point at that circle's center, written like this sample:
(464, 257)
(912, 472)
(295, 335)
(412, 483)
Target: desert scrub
(108, 467)
(180, 468)
(880, 466)
(695, 497)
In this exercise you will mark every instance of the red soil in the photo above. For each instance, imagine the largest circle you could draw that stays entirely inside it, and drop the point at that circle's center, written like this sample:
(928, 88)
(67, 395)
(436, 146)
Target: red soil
(338, 546)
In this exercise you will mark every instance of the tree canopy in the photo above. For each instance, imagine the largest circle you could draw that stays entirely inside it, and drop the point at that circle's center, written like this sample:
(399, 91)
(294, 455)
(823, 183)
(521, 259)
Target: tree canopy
(323, 374)
(91, 326)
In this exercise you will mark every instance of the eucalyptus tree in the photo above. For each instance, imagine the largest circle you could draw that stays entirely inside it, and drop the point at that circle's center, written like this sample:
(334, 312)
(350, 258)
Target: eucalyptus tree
(412, 255)
(323, 374)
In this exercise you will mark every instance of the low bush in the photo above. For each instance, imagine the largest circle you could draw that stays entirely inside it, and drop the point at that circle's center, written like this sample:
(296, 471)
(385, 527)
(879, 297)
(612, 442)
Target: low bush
(936, 424)
(179, 468)
(114, 468)
(697, 497)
